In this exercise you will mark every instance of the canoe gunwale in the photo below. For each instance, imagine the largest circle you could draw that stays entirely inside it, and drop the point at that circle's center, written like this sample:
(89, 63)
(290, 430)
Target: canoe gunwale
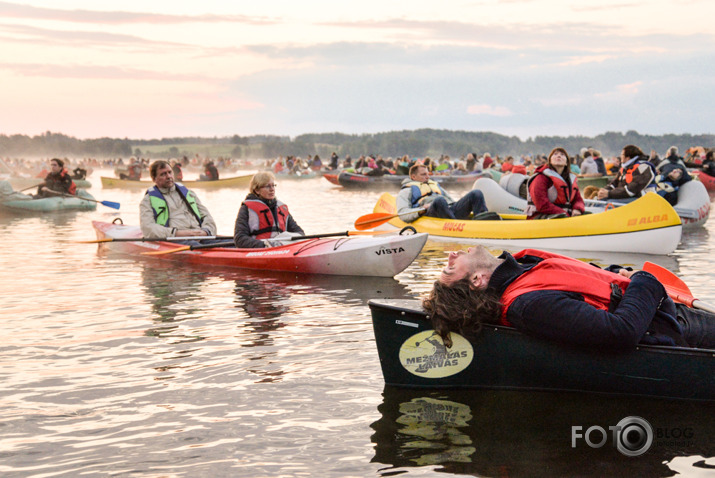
(422, 315)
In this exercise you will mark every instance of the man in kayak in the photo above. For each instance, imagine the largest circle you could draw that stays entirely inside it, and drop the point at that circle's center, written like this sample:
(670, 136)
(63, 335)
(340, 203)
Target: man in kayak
(210, 172)
(134, 170)
(634, 178)
(57, 182)
(419, 191)
(169, 209)
(561, 299)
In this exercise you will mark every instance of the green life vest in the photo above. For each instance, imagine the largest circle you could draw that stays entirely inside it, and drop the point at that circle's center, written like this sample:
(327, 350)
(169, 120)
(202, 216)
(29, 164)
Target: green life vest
(161, 208)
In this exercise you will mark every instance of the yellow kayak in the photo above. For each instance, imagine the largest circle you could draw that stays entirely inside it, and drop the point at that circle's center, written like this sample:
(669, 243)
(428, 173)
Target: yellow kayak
(648, 225)
(234, 182)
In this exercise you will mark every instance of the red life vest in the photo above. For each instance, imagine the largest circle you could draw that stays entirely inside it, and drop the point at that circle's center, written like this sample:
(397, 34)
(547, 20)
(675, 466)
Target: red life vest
(560, 192)
(561, 273)
(261, 221)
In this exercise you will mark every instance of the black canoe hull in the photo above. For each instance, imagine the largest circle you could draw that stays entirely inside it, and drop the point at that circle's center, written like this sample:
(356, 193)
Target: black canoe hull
(502, 358)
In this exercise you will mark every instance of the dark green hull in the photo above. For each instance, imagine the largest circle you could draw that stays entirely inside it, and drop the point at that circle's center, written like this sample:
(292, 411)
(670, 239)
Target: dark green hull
(502, 358)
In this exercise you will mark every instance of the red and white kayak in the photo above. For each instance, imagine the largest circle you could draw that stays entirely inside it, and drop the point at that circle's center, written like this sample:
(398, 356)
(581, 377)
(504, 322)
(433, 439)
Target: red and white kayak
(377, 256)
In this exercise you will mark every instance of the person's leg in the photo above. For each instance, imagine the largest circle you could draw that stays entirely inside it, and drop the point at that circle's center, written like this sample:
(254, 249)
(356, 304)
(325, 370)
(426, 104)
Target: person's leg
(439, 208)
(698, 327)
(472, 202)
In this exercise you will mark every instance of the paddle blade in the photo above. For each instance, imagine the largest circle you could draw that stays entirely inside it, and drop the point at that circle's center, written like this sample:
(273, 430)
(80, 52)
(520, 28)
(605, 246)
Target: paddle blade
(674, 285)
(96, 241)
(368, 221)
(113, 205)
(667, 278)
(169, 251)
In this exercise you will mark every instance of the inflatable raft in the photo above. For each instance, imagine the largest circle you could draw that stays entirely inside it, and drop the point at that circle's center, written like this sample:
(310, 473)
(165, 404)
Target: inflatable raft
(18, 203)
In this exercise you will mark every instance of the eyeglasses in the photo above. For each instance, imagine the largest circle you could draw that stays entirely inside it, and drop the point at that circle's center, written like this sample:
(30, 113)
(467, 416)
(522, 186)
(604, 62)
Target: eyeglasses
(270, 186)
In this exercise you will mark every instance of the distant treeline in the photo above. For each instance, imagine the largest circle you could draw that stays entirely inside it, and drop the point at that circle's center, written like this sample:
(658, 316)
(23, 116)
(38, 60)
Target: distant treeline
(414, 143)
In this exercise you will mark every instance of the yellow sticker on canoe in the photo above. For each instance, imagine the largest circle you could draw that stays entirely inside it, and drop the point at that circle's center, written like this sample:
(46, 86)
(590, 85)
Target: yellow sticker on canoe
(425, 355)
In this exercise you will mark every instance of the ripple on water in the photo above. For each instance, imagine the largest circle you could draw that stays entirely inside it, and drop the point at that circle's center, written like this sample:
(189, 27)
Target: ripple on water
(117, 365)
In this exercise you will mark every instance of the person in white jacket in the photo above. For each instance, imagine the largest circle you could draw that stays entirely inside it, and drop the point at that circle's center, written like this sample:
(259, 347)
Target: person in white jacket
(169, 209)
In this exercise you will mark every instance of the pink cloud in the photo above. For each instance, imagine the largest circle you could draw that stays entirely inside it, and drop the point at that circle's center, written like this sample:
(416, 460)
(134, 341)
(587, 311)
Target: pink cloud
(488, 110)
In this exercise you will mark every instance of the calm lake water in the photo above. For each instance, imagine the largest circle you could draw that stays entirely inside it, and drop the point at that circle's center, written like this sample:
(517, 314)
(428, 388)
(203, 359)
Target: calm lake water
(113, 365)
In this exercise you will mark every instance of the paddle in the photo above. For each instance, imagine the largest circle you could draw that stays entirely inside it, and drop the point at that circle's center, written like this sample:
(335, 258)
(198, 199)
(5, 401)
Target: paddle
(145, 239)
(190, 248)
(225, 244)
(30, 187)
(113, 205)
(337, 234)
(676, 288)
(368, 221)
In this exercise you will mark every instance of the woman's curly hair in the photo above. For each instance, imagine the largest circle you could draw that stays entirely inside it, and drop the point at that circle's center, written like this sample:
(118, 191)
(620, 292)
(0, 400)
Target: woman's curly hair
(460, 308)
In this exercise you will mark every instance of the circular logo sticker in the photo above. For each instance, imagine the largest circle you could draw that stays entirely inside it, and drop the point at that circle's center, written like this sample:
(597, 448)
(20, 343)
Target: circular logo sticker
(425, 355)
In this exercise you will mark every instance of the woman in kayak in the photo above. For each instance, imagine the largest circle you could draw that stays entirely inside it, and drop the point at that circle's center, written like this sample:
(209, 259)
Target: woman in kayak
(261, 216)
(553, 191)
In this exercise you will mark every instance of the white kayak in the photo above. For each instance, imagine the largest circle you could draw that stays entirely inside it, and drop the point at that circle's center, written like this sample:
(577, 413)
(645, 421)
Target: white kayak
(361, 255)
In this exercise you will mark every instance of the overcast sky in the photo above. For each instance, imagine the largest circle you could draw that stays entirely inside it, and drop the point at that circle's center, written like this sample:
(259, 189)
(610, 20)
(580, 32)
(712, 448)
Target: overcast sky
(151, 69)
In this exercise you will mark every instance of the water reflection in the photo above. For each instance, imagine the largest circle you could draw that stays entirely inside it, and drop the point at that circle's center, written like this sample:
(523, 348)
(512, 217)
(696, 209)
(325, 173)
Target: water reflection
(173, 291)
(491, 433)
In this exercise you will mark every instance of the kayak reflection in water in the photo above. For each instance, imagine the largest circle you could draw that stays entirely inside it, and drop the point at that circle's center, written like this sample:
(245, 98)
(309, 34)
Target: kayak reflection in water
(563, 300)
(170, 209)
(261, 217)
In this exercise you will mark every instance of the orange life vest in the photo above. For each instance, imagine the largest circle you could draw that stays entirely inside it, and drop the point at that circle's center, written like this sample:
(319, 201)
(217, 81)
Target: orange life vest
(561, 273)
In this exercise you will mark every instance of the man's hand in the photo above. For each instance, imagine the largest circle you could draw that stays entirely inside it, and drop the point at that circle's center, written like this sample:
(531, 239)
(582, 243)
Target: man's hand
(626, 273)
(190, 232)
(602, 193)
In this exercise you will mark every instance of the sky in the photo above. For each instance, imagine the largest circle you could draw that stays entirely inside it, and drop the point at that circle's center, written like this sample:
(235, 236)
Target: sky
(155, 69)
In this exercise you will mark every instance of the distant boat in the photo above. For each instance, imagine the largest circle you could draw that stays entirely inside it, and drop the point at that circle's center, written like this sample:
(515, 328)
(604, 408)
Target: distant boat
(234, 182)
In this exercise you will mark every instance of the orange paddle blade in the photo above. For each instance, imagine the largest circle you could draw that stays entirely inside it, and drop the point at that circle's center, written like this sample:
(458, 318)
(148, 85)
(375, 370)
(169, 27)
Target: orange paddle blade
(96, 241)
(677, 289)
(368, 221)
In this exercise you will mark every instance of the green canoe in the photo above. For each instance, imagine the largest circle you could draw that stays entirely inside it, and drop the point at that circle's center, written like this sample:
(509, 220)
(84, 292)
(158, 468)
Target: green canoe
(413, 355)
